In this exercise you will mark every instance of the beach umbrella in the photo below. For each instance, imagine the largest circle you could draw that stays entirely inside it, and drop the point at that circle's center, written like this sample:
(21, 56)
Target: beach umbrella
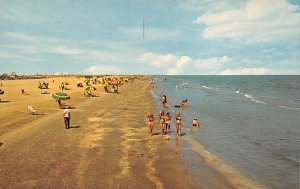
(114, 82)
(90, 88)
(60, 96)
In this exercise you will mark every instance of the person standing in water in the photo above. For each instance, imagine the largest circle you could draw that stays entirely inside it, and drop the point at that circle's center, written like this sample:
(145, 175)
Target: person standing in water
(67, 118)
(150, 123)
(162, 122)
(178, 124)
(168, 123)
(164, 100)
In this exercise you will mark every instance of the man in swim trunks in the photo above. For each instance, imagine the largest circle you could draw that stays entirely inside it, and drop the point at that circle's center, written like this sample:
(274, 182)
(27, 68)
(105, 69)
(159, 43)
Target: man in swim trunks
(67, 118)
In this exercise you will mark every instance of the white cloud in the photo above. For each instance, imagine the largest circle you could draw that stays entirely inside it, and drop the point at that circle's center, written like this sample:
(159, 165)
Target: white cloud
(172, 64)
(175, 65)
(158, 61)
(204, 5)
(67, 51)
(183, 61)
(211, 65)
(247, 71)
(178, 68)
(5, 54)
(105, 69)
(257, 21)
(29, 38)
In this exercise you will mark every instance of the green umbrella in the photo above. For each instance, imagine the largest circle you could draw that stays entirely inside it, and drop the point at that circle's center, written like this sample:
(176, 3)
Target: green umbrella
(61, 96)
(90, 88)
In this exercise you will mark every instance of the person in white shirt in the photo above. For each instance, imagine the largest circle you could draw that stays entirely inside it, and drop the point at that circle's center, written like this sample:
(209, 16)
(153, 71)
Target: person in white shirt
(67, 118)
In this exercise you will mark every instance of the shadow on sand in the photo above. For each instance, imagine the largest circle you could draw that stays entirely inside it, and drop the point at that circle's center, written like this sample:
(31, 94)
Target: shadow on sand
(4, 101)
(38, 113)
(155, 134)
(74, 127)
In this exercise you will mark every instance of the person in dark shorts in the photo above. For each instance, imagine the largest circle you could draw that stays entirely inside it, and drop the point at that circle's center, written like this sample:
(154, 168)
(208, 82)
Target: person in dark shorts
(67, 118)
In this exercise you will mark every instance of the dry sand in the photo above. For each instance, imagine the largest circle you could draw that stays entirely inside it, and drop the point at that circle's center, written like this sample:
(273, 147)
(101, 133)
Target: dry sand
(107, 147)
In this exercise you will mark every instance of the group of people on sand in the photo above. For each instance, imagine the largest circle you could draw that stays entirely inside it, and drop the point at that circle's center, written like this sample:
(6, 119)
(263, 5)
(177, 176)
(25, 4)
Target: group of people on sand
(165, 123)
(165, 119)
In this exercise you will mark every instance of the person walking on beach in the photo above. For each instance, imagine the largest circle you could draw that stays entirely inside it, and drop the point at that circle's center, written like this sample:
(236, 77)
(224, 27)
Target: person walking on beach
(150, 123)
(62, 86)
(178, 124)
(67, 118)
(162, 122)
(168, 123)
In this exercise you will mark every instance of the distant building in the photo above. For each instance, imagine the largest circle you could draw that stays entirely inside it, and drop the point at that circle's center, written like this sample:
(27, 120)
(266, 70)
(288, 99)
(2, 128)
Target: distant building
(12, 76)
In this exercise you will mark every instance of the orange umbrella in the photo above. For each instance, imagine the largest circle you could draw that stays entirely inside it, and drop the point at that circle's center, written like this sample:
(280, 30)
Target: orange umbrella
(113, 82)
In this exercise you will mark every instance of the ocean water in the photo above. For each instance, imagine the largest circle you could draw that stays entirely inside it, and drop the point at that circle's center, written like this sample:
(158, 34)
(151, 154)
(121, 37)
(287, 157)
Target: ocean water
(252, 123)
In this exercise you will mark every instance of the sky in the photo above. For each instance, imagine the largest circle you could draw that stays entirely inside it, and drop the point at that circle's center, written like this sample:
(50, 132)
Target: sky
(181, 37)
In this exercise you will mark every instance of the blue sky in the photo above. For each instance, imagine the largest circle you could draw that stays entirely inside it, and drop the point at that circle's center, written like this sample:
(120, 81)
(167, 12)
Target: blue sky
(181, 37)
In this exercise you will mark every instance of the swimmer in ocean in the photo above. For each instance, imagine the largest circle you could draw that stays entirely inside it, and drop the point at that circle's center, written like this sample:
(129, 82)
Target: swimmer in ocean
(196, 123)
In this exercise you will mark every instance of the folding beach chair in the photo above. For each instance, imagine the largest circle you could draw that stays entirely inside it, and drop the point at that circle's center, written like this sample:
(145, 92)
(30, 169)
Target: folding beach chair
(33, 111)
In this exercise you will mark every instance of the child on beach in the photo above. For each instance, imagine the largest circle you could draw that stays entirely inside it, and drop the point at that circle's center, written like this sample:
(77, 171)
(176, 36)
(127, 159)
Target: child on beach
(162, 122)
(168, 123)
(178, 124)
(150, 122)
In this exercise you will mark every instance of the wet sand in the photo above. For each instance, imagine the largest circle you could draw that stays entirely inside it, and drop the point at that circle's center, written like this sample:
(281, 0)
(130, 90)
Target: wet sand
(107, 147)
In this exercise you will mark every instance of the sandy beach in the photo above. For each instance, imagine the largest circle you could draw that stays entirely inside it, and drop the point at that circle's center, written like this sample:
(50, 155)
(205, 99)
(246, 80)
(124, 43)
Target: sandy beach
(107, 146)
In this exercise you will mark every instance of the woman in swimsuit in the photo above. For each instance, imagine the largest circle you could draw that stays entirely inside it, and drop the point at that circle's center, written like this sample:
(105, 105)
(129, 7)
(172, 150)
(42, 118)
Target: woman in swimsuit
(150, 122)
(168, 123)
(178, 124)
(162, 122)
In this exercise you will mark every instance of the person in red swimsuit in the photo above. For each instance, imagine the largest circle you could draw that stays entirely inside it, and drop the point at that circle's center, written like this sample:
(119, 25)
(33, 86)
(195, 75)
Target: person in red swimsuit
(150, 123)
